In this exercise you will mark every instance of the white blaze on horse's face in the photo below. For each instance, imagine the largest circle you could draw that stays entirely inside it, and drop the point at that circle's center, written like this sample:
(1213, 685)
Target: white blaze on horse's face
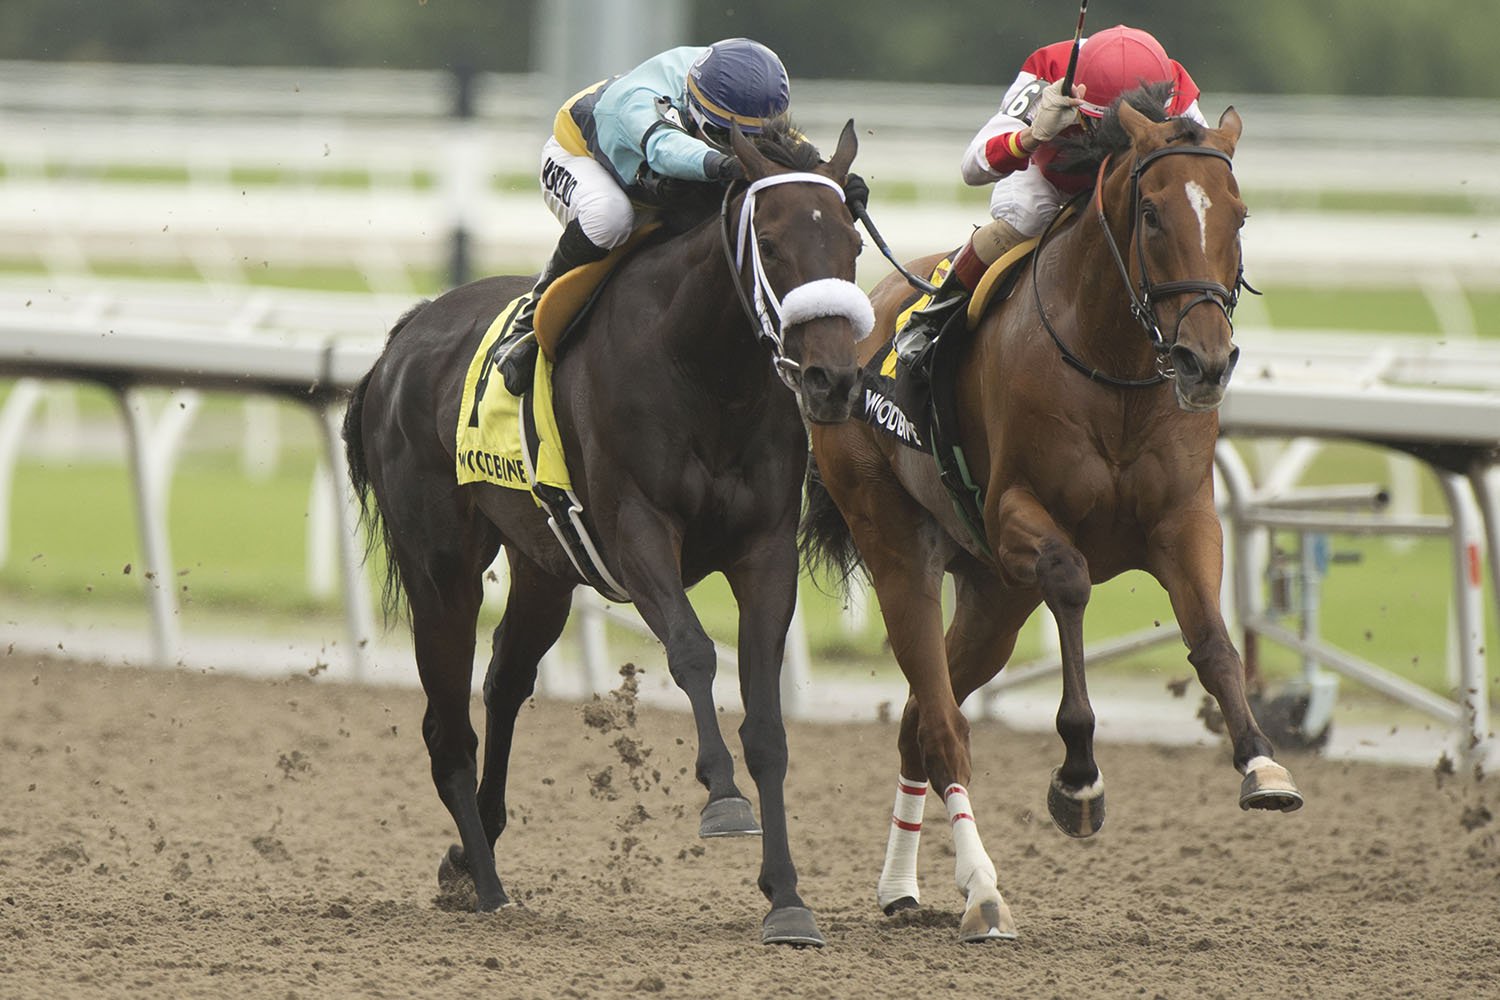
(1200, 202)
(817, 215)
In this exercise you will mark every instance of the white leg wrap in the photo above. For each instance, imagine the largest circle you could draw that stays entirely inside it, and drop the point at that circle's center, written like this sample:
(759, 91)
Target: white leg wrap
(899, 876)
(1257, 762)
(973, 868)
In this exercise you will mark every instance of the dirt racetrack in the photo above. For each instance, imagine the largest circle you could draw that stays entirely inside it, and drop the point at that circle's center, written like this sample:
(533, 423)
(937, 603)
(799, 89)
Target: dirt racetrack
(181, 834)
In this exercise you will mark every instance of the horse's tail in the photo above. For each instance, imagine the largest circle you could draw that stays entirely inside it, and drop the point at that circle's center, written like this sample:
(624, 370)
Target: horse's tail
(823, 538)
(376, 529)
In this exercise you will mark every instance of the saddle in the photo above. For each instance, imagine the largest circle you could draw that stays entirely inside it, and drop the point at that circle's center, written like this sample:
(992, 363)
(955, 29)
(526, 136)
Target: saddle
(917, 406)
(569, 297)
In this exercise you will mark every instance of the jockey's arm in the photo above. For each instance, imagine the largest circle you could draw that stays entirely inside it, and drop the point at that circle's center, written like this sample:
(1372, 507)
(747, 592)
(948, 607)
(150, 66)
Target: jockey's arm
(1004, 144)
(672, 153)
(1000, 148)
(669, 152)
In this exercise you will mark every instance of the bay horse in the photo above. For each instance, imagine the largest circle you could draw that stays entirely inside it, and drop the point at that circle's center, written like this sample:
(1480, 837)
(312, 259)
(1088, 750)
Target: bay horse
(1093, 458)
(688, 454)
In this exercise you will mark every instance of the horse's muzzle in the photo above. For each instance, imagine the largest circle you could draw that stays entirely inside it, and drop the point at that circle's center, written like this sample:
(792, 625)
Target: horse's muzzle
(829, 394)
(1201, 381)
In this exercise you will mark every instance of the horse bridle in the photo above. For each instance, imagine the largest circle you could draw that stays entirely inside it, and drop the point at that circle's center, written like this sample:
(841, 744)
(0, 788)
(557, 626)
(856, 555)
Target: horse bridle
(814, 299)
(1143, 297)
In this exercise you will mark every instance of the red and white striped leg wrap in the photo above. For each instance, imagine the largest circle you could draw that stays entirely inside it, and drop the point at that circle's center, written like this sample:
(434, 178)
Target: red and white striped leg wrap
(898, 878)
(970, 859)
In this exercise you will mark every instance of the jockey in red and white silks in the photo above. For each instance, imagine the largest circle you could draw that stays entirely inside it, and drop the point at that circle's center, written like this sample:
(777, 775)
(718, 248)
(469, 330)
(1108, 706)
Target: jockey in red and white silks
(1027, 194)
(1015, 147)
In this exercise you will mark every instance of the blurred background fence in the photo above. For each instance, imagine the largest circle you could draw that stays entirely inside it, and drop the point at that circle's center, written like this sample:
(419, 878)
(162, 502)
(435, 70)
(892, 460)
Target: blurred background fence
(226, 171)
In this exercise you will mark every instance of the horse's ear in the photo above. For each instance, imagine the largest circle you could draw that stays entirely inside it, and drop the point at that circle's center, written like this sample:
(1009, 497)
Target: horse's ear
(1230, 127)
(756, 164)
(844, 154)
(1136, 125)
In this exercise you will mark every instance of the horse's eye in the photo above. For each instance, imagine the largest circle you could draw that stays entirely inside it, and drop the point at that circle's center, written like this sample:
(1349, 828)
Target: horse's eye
(767, 248)
(1149, 216)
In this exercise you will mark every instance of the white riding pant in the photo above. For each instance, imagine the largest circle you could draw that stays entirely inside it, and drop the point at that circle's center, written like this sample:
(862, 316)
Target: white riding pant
(576, 187)
(1027, 200)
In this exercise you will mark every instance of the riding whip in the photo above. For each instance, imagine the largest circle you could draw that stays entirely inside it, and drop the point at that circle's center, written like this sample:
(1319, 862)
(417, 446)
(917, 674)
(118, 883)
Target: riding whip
(862, 213)
(1067, 82)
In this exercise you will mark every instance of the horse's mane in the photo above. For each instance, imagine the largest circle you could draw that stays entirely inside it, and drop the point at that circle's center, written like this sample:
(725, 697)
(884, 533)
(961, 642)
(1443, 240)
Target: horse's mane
(783, 143)
(1084, 151)
(689, 203)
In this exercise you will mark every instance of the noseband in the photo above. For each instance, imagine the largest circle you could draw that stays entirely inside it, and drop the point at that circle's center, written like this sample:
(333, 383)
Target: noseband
(814, 299)
(1143, 297)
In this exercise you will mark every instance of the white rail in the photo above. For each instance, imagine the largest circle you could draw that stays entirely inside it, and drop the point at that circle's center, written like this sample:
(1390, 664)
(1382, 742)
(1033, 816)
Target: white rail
(233, 171)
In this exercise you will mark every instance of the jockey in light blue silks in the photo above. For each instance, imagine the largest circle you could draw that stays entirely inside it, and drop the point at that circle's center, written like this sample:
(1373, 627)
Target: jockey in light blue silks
(669, 117)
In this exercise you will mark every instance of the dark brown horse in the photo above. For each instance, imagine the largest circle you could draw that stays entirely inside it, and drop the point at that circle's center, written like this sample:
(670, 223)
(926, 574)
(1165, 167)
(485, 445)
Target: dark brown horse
(1092, 459)
(688, 454)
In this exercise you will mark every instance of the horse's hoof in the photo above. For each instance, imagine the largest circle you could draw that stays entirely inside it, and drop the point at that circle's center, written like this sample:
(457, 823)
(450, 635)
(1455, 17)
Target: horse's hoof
(987, 921)
(1078, 814)
(453, 870)
(793, 925)
(457, 884)
(728, 817)
(895, 906)
(1269, 786)
(489, 902)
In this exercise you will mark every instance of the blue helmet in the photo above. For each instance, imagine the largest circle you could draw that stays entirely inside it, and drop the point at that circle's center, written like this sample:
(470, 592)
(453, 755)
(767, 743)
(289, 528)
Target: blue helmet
(737, 81)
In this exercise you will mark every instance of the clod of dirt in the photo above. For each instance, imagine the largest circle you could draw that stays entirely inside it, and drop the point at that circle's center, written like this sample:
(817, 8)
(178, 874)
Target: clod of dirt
(63, 858)
(618, 710)
(632, 754)
(1443, 769)
(637, 816)
(270, 848)
(1474, 817)
(601, 784)
(293, 764)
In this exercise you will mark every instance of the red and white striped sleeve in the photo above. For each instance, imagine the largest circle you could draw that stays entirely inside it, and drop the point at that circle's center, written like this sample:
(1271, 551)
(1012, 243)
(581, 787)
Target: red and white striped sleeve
(995, 150)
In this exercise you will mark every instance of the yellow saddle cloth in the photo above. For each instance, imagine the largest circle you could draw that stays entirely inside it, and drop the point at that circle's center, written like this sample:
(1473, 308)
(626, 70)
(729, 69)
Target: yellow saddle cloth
(491, 445)
(491, 448)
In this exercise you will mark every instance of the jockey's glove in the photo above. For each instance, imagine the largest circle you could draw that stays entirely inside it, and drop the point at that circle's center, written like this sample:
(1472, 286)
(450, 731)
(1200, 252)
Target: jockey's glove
(1053, 114)
(720, 167)
(856, 194)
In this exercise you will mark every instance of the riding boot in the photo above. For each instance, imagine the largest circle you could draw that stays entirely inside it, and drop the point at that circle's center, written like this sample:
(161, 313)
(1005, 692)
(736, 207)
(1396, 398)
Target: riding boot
(923, 326)
(518, 351)
(988, 244)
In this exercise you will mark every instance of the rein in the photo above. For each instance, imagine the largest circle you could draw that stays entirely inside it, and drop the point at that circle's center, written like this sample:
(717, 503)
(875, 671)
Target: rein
(814, 299)
(1142, 303)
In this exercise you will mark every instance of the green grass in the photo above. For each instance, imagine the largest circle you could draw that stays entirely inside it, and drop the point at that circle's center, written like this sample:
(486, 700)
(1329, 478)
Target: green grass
(238, 546)
(1421, 203)
(1393, 310)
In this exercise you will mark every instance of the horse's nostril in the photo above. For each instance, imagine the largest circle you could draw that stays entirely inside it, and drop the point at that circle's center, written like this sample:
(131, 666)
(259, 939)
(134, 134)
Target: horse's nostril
(1187, 364)
(1234, 359)
(815, 380)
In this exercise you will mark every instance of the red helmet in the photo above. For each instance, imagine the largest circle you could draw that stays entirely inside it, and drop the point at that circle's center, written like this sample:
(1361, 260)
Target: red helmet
(1116, 60)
